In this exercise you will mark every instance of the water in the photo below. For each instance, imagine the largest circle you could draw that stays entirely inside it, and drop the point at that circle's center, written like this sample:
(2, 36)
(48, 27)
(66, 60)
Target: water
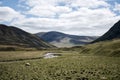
(50, 55)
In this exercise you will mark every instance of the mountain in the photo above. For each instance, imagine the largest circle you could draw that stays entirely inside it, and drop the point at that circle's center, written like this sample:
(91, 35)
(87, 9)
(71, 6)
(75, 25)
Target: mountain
(10, 35)
(113, 33)
(107, 45)
(64, 40)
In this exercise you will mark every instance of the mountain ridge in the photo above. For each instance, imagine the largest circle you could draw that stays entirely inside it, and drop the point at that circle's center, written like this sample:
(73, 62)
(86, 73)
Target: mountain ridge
(106, 45)
(60, 39)
(10, 35)
(112, 33)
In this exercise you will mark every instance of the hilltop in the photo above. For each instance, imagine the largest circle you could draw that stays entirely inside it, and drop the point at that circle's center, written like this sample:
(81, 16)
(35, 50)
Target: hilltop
(12, 36)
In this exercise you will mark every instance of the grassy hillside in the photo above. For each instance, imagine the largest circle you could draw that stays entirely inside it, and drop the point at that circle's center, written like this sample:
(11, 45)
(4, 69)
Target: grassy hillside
(108, 48)
(70, 66)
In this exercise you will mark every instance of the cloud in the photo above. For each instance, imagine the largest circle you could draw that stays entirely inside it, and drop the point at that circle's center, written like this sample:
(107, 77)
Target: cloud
(51, 8)
(117, 7)
(89, 3)
(79, 17)
(8, 14)
(77, 3)
(48, 11)
(83, 22)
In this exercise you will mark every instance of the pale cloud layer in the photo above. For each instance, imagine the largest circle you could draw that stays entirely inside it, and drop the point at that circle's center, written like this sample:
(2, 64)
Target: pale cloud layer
(78, 17)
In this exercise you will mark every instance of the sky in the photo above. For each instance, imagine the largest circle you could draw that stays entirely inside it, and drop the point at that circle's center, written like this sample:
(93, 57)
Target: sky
(77, 17)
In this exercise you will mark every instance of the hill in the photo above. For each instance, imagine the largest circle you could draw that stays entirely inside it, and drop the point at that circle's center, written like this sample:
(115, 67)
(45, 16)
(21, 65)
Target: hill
(108, 44)
(105, 48)
(64, 40)
(113, 33)
(13, 36)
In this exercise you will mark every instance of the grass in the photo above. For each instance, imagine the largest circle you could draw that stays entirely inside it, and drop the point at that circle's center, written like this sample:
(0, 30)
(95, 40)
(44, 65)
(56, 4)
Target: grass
(15, 48)
(70, 66)
(106, 48)
(19, 55)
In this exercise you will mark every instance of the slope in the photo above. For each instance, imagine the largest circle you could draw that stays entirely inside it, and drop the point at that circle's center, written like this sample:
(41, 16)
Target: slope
(10, 35)
(65, 40)
(108, 44)
(113, 33)
(106, 48)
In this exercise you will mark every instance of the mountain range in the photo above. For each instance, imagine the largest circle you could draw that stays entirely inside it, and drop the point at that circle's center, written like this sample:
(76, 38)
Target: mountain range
(65, 40)
(10, 35)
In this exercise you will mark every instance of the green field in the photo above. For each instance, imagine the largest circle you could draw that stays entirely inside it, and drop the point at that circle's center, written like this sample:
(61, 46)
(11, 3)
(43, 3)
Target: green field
(70, 66)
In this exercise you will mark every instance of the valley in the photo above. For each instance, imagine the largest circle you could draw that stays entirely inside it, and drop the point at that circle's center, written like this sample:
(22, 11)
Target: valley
(59, 39)
(39, 60)
(71, 65)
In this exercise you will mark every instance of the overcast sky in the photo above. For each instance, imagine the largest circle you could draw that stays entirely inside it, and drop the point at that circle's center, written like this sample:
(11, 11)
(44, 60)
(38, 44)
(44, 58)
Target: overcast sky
(78, 17)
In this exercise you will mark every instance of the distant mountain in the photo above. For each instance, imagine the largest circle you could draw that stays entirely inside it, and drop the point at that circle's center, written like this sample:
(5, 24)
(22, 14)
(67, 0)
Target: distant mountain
(10, 35)
(64, 40)
(113, 33)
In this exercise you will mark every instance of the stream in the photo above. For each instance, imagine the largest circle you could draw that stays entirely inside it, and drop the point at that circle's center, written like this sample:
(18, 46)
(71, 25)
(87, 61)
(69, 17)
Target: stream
(51, 55)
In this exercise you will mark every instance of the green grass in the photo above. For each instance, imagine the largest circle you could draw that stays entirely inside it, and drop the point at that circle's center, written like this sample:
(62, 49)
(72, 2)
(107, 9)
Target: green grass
(106, 48)
(20, 55)
(70, 66)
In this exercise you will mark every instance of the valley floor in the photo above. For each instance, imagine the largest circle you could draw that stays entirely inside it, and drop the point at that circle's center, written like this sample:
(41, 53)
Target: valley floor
(70, 66)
